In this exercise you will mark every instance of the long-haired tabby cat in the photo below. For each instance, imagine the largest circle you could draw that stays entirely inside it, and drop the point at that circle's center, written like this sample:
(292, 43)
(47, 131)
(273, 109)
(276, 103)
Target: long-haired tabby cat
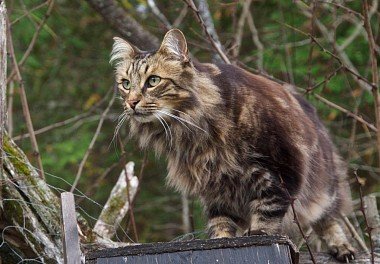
(246, 146)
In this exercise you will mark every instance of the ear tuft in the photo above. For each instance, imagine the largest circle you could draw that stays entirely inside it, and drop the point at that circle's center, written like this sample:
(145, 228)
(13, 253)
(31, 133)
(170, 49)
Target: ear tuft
(174, 43)
(122, 50)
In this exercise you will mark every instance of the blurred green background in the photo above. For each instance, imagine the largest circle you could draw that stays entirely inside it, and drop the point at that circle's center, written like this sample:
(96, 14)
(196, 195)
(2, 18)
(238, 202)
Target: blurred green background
(68, 74)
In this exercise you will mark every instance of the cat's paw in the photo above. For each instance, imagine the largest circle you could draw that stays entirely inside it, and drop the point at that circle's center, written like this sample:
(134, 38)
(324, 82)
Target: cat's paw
(343, 253)
(255, 232)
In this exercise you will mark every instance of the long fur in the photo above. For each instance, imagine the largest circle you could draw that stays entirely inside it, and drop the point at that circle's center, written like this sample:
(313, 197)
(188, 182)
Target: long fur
(244, 145)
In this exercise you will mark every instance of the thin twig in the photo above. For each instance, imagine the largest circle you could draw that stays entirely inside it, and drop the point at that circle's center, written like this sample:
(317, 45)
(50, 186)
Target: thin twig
(3, 87)
(131, 211)
(28, 12)
(240, 27)
(92, 143)
(308, 233)
(341, 57)
(340, 6)
(256, 40)
(312, 33)
(186, 225)
(355, 234)
(375, 73)
(325, 81)
(181, 16)
(296, 220)
(368, 228)
(347, 112)
(216, 45)
(90, 191)
(318, 97)
(65, 122)
(34, 39)
(10, 108)
(24, 102)
(161, 17)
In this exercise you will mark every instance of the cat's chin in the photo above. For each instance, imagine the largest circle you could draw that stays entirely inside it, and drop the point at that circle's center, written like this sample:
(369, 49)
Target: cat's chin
(144, 118)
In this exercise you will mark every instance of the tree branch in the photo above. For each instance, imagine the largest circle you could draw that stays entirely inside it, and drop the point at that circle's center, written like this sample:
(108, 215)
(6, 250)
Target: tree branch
(125, 25)
(208, 27)
(24, 102)
(92, 143)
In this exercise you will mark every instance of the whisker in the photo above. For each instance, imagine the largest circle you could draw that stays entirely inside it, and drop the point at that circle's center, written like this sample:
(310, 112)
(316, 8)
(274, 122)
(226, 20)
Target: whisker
(175, 117)
(182, 119)
(121, 120)
(170, 132)
(162, 123)
(183, 113)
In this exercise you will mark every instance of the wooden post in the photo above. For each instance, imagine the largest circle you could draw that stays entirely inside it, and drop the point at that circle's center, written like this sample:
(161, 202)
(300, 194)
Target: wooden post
(70, 236)
(373, 218)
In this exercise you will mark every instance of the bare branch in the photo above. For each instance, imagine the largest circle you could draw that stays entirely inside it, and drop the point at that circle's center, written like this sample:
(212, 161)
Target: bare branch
(3, 84)
(210, 32)
(375, 73)
(125, 25)
(181, 16)
(28, 12)
(256, 40)
(341, 56)
(92, 143)
(362, 209)
(186, 224)
(64, 122)
(24, 102)
(240, 27)
(354, 234)
(348, 113)
(118, 203)
(156, 11)
(34, 39)
(10, 108)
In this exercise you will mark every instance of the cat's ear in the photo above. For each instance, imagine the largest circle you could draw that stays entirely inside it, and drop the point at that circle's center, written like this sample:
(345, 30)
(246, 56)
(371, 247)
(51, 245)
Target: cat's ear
(174, 43)
(122, 50)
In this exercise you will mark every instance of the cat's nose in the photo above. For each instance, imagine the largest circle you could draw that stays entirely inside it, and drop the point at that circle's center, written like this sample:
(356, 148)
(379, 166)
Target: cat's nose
(133, 103)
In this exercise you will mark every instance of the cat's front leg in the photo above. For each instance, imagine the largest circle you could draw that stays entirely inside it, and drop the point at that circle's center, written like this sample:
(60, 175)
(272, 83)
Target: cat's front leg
(222, 226)
(269, 206)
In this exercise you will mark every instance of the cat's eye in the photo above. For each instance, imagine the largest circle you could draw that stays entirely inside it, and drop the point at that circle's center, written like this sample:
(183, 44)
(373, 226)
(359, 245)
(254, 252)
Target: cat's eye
(153, 81)
(126, 84)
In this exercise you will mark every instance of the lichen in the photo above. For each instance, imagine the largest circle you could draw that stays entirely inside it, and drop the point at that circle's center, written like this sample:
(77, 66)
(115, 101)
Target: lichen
(114, 205)
(15, 157)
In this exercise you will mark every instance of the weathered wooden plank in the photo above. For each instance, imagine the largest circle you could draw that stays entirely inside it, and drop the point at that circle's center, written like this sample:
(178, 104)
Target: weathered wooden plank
(325, 258)
(278, 254)
(167, 247)
(255, 249)
(70, 236)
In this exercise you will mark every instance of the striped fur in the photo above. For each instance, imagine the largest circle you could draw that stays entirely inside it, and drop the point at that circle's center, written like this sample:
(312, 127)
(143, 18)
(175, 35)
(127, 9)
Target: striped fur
(244, 145)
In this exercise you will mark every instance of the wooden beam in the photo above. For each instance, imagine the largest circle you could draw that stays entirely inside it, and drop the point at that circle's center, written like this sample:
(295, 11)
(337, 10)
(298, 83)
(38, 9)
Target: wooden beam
(70, 236)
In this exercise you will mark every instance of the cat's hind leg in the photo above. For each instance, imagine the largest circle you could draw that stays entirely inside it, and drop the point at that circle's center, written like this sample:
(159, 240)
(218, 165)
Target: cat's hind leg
(330, 231)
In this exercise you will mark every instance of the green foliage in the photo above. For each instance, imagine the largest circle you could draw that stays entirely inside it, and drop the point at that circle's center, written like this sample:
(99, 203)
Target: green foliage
(68, 72)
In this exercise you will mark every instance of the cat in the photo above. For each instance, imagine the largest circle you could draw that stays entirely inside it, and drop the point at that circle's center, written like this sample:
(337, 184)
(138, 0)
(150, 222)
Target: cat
(246, 146)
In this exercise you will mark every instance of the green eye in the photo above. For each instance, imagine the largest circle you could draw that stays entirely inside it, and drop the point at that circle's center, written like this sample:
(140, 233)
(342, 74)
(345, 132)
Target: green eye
(126, 84)
(153, 81)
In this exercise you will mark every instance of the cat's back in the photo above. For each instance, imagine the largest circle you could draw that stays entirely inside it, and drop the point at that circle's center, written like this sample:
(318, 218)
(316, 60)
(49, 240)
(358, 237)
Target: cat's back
(261, 98)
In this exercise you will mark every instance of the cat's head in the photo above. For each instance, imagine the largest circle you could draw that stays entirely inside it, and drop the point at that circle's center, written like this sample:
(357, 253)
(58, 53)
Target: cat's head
(154, 84)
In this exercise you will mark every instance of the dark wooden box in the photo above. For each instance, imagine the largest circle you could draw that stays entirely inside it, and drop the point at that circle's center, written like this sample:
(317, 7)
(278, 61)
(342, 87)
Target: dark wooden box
(254, 249)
